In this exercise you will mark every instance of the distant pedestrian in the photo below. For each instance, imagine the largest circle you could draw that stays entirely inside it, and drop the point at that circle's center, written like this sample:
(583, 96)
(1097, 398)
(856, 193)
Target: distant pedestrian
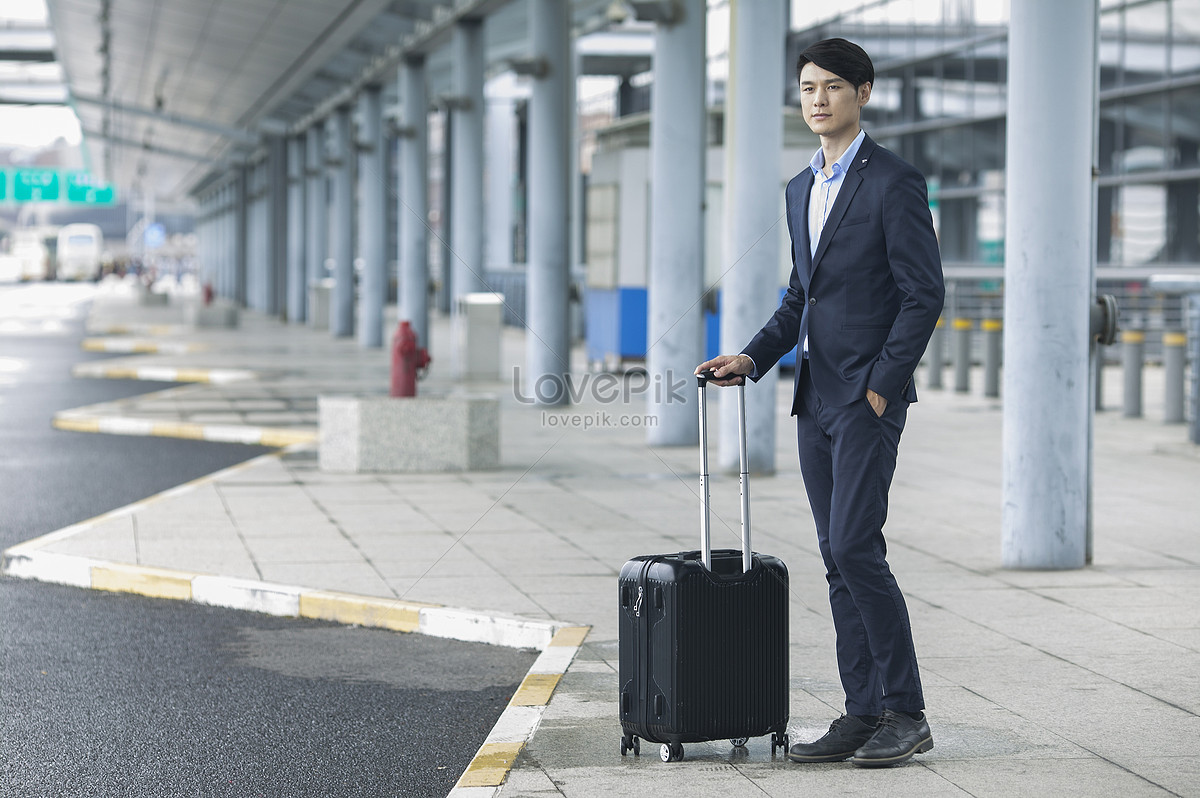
(864, 297)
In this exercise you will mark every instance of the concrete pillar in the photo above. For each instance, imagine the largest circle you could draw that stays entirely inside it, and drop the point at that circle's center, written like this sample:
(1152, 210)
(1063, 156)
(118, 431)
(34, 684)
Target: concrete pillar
(372, 216)
(547, 339)
(341, 221)
(1049, 286)
(413, 279)
(297, 284)
(1193, 316)
(252, 276)
(676, 270)
(229, 237)
(241, 211)
(316, 206)
(277, 225)
(753, 147)
(501, 121)
(445, 290)
(224, 243)
(466, 152)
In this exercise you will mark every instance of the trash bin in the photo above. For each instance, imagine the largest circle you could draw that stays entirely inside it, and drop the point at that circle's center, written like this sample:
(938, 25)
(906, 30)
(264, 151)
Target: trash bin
(479, 322)
(319, 292)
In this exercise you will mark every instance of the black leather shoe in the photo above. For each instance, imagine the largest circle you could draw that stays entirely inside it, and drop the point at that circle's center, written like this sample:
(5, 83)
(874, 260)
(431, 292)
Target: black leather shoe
(895, 741)
(845, 736)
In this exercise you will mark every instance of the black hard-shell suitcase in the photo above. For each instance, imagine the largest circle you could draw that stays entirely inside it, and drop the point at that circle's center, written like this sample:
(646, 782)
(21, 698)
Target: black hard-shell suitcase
(704, 636)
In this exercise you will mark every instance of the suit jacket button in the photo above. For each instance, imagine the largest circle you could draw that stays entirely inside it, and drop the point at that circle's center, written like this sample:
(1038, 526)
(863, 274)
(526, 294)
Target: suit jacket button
(812, 300)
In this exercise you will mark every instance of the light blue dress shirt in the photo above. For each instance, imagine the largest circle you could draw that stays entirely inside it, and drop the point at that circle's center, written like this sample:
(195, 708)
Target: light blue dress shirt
(824, 194)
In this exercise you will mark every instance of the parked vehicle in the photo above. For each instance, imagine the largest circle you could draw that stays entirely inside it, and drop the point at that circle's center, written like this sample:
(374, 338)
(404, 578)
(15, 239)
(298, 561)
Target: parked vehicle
(30, 250)
(80, 247)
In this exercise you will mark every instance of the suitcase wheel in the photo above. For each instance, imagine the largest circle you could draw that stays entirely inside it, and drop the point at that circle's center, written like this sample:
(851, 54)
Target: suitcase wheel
(671, 752)
(779, 740)
(739, 742)
(631, 743)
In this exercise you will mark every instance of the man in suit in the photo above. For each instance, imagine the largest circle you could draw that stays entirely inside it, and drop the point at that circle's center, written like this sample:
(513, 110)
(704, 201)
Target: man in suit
(864, 297)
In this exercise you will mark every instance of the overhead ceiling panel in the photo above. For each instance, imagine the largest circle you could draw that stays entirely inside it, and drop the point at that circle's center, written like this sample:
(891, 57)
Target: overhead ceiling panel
(239, 65)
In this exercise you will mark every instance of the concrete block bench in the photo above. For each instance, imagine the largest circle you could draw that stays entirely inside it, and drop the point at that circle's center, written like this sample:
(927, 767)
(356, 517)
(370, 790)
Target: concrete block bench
(218, 314)
(381, 434)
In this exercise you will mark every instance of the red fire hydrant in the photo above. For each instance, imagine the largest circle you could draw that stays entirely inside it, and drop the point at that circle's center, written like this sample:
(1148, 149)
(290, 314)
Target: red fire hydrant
(407, 360)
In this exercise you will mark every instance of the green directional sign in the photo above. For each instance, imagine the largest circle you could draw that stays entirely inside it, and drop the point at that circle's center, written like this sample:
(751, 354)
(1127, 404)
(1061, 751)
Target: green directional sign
(35, 185)
(83, 188)
(51, 185)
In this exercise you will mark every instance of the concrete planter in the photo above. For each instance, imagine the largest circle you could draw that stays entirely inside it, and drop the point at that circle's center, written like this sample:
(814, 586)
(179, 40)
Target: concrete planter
(218, 314)
(147, 297)
(421, 434)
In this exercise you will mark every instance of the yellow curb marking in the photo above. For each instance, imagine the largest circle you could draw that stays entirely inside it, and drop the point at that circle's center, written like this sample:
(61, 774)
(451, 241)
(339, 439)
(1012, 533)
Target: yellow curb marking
(193, 432)
(154, 582)
(193, 375)
(570, 636)
(77, 424)
(535, 690)
(399, 616)
(284, 437)
(963, 324)
(491, 765)
(118, 373)
(992, 325)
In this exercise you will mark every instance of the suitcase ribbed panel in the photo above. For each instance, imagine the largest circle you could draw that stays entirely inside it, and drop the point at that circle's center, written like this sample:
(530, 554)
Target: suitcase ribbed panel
(705, 655)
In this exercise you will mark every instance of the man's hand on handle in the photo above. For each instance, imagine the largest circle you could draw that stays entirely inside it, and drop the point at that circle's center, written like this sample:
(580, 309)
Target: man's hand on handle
(728, 369)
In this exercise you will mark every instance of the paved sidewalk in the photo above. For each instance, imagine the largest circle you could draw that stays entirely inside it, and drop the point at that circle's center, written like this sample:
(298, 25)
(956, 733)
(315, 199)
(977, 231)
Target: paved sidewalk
(1038, 683)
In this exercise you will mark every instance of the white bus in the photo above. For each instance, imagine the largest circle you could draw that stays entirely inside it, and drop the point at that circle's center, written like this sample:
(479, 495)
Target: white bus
(80, 247)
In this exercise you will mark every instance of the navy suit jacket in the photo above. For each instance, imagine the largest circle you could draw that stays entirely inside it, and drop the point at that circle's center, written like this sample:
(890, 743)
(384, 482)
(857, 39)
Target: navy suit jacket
(870, 297)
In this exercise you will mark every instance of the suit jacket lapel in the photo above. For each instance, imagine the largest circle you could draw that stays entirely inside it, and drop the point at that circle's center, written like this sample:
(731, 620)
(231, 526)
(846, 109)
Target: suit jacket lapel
(799, 216)
(845, 195)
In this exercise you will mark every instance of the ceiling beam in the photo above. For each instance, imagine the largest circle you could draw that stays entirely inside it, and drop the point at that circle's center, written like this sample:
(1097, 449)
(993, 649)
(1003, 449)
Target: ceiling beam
(153, 149)
(426, 37)
(236, 135)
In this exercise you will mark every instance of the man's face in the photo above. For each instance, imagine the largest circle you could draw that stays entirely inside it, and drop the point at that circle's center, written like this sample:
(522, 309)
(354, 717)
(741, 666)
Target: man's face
(830, 104)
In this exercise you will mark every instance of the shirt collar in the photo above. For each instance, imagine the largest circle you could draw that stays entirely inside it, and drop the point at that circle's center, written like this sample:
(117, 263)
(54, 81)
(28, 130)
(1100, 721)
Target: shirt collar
(842, 164)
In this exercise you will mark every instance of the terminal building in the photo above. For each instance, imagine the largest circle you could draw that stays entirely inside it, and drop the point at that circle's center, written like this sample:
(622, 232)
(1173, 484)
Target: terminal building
(325, 85)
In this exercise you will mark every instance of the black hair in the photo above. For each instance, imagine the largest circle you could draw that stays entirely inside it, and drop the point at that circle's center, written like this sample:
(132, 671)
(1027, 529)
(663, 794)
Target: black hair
(843, 58)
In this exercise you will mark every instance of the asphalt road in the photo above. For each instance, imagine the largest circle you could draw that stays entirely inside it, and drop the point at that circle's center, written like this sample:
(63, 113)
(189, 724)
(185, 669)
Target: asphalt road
(109, 694)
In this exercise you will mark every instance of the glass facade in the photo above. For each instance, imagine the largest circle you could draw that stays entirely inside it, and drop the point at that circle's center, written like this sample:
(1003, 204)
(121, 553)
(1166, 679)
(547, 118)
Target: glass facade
(940, 98)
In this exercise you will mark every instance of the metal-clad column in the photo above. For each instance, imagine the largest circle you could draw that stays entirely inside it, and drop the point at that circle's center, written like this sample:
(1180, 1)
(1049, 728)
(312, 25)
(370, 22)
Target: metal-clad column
(252, 277)
(547, 341)
(297, 285)
(676, 269)
(1049, 285)
(241, 202)
(414, 200)
(276, 213)
(372, 215)
(229, 238)
(754, 146)
(466, 151)
(316, 248)
(341, 231)
(225, 243)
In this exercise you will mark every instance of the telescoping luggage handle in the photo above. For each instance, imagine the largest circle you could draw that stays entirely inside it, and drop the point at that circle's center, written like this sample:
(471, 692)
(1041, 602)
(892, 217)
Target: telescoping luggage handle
(705, 531)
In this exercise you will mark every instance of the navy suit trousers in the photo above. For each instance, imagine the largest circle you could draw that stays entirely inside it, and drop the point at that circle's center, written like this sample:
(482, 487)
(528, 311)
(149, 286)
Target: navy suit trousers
(847, 458)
